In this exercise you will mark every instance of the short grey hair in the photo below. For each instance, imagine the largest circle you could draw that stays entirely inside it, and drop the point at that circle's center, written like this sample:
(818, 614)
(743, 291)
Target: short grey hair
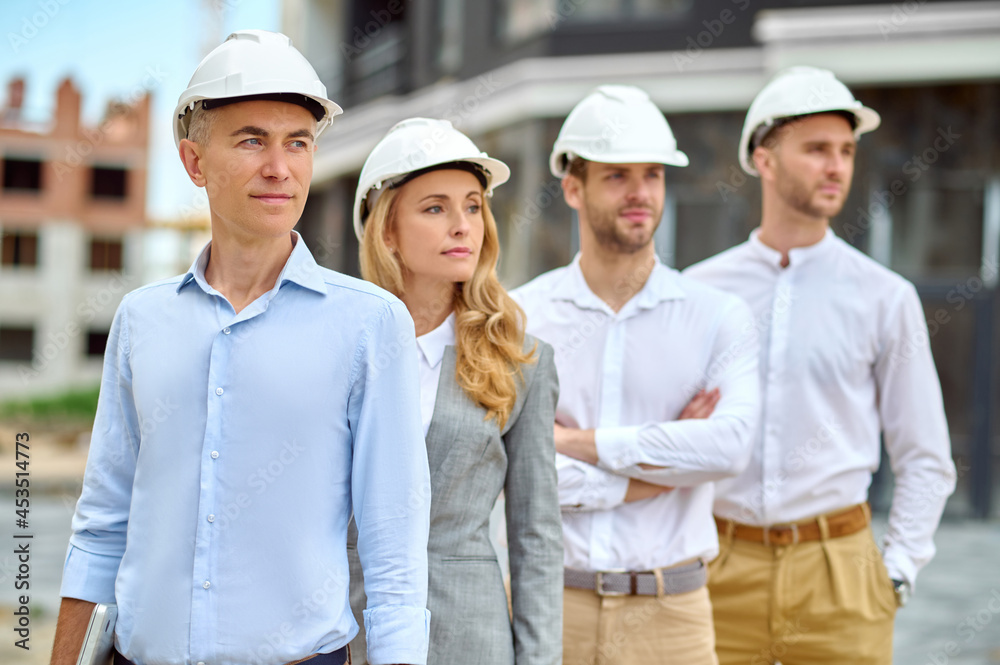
(200, 124)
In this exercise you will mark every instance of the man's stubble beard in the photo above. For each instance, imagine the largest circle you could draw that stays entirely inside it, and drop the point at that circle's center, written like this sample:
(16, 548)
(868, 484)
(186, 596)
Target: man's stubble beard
(797, 196)
(603, 225)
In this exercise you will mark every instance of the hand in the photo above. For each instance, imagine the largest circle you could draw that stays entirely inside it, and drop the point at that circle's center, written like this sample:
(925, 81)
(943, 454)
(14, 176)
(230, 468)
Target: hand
(640, 489)
(580, 444)
(701, 405)
(561, 435)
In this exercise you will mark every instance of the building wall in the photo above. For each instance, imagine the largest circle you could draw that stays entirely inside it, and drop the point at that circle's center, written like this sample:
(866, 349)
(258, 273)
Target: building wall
(72, 241)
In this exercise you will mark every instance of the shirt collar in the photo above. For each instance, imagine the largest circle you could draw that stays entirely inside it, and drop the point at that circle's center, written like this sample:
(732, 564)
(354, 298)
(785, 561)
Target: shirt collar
(797, 255)
(662, 284)
(433, 344)
(300, 268)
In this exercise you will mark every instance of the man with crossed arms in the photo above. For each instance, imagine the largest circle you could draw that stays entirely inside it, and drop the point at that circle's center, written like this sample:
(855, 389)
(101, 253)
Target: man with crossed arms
(634, 343)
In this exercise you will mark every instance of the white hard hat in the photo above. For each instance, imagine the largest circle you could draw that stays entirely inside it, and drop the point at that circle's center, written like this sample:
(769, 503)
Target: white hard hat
(419, 144)
(801, 91)
(615, 124)
(256, 64)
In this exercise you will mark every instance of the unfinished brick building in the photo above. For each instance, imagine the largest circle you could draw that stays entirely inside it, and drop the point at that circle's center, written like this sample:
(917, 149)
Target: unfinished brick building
(72, 208)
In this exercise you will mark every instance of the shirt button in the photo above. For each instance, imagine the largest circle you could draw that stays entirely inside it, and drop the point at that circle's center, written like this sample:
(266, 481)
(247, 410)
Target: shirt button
(219, 391)
(211, 518)
(215, 454)
(206, 584)
(201, 662)
(226, 330)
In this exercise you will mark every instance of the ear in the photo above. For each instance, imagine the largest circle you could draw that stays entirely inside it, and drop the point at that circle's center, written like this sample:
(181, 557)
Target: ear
(573, 191)
(763, 159)
(389, 238)
(190, 153)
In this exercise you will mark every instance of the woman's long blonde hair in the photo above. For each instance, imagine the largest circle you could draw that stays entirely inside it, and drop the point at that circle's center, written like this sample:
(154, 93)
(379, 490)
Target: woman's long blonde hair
(489, 330)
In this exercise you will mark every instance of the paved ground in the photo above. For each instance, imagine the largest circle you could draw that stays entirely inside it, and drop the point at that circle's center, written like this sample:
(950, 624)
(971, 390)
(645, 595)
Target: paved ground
(954, 619)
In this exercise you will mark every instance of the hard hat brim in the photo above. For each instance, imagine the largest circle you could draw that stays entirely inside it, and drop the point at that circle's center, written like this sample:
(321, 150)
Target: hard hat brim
(559, 161)
(182, 113)
(867, 120)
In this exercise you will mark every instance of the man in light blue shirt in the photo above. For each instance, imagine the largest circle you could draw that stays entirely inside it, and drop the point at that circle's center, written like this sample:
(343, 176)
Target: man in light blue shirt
(245, 408)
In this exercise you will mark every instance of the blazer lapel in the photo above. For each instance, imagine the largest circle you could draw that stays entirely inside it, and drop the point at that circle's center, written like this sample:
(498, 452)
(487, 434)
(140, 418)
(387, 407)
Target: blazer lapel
(443, 404)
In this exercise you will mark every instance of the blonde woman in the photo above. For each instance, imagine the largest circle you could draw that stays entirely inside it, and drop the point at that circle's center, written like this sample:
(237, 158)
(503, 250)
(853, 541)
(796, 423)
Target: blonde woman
(488, 397)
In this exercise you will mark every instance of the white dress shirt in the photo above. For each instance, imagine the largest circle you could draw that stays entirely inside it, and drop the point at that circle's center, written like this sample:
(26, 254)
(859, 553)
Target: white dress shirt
(628, 375)
(845, 356)
(432, 346)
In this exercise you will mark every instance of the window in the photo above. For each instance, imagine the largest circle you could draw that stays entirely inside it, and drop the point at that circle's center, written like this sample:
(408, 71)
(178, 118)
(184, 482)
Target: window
(20, 248)
(375, 49)
(523, 19)
(97, 340)
(450, 44)
(16, 343)
(105, 254)
(22, 174)
(108, 183)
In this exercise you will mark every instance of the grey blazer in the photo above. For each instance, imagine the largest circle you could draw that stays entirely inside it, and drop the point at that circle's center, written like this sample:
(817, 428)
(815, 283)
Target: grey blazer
(471, 460)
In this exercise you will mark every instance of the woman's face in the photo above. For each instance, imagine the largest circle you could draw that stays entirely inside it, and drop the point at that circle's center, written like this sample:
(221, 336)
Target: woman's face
(438, 230)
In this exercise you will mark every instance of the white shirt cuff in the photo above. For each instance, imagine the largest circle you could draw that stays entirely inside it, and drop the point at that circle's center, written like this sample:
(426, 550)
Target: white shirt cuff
(899, 566)
(617, 447)
(604, 490)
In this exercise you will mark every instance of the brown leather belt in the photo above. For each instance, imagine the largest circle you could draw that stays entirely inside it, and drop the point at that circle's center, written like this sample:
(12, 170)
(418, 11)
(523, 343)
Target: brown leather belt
(840, 524)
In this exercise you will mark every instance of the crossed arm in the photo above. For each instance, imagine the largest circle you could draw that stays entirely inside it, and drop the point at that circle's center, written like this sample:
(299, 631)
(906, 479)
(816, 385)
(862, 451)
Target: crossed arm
(581, 445)
(711, 438)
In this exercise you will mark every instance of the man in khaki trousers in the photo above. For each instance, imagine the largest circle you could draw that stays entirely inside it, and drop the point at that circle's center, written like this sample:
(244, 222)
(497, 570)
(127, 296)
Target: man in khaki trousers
(845, 359)
(643, 355)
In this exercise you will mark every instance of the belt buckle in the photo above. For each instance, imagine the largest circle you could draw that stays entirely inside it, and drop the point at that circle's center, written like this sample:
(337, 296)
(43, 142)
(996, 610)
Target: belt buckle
(599, 583)
(794, 528)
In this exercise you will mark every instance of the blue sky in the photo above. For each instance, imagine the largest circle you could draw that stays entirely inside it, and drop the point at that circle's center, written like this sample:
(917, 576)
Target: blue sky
(113, 49)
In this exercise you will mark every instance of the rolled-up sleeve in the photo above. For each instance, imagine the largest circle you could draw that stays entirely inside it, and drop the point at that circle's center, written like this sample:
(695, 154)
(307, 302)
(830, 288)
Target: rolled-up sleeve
(97, 542)
(583, 487)
(391, 490)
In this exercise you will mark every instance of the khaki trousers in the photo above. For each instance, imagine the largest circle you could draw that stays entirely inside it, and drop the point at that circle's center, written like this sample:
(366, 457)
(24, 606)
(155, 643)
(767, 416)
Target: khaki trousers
(637, 630)
(825, 601)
